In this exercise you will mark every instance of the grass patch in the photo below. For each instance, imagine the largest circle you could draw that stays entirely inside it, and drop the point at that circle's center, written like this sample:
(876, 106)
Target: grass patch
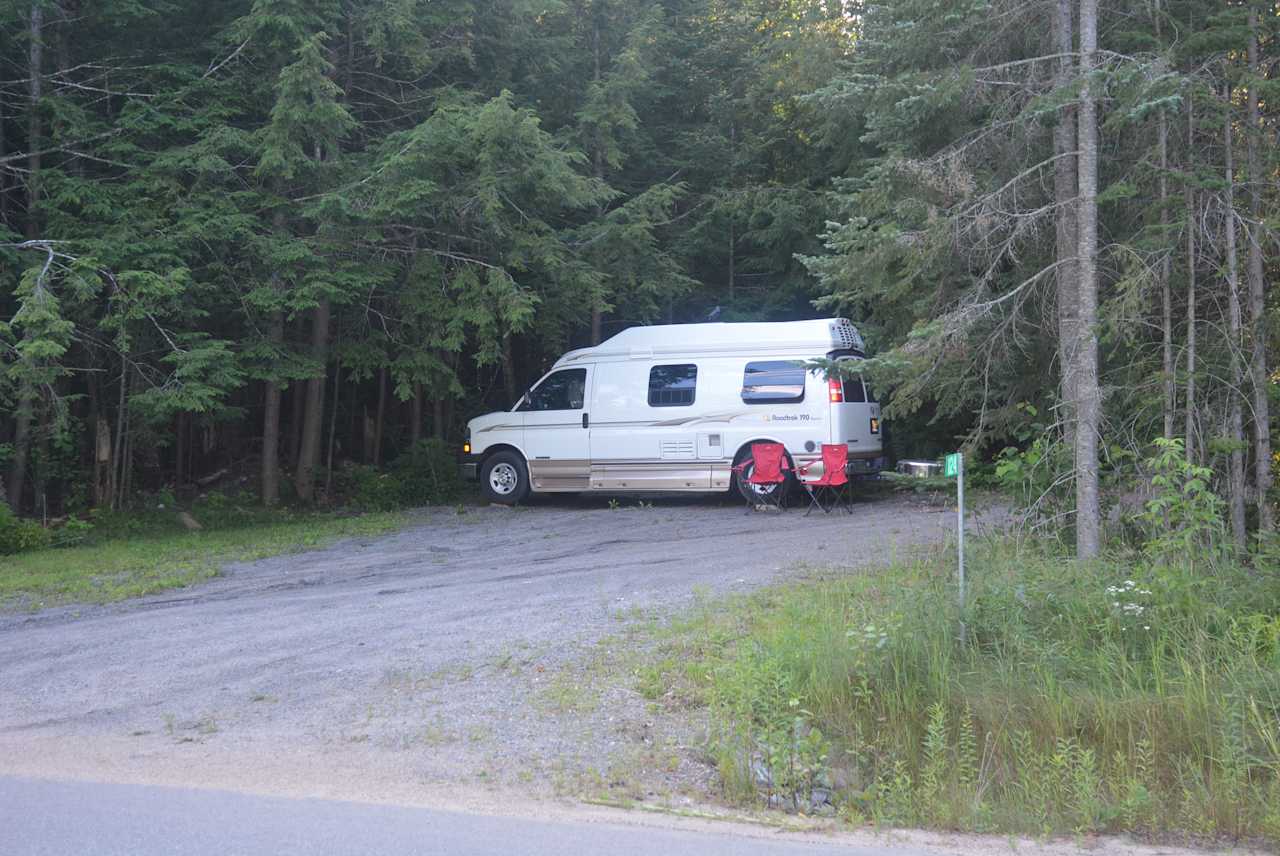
(113, 570)
(1116, 696)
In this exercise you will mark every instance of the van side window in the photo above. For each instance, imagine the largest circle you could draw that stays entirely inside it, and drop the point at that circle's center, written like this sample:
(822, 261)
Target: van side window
(773, 382)
(672, 386)
(562, 390)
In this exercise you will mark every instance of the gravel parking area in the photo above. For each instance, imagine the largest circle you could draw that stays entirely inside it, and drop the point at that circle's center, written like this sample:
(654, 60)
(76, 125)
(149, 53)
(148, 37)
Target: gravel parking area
(489, 648)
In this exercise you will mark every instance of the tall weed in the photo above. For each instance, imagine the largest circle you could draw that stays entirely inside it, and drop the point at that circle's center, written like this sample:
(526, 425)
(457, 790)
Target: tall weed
(1106, 696)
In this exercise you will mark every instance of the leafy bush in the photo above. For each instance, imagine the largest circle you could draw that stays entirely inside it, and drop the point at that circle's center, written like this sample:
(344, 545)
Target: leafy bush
(18, 535)
(72, 533)
(1184, 517)
(426, 474)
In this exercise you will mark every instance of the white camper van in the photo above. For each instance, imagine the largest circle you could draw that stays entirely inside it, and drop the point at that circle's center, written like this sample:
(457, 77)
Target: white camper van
(675, 408)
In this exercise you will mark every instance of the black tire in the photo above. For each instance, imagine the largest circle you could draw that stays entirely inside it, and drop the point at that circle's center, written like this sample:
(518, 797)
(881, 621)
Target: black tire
(504, 478)
(745, 491)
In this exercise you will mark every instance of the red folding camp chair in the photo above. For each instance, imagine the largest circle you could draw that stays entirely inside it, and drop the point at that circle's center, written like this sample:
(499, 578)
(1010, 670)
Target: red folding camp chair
(765, 475)
(834, 481)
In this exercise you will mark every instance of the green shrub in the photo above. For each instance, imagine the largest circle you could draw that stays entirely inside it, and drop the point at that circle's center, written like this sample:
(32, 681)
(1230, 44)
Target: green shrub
(71, 533)
(18, 535)
(426, 474)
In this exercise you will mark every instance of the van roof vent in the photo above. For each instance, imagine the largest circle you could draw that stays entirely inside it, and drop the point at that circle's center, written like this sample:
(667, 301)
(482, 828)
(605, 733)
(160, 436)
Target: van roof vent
(845, 335)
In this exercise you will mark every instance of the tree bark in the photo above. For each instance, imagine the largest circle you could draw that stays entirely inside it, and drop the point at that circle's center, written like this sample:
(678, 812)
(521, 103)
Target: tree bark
(597, 161)
(4, 173)
(380, 417)
(1166, 297)
(1189, 429)
(1258, 298)
(415, 430)
(119, 465)
(34, 131)
(297, 406)
(179, 450)
(102, 462)
(437, 418)
(1065, 189)
(21, 445)
(40, 479)
(1170, 401)
(1088, 400)
(271, 423)
(313, 414)
(509, 371)
(333, 430)
(1235, 416)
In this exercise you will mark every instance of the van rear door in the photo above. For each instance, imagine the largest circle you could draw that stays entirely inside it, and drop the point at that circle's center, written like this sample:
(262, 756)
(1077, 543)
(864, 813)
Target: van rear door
(855, 415)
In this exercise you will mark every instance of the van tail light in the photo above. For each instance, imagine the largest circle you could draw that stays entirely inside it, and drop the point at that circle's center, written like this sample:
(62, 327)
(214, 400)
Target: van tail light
(875, 425)
(835, 389)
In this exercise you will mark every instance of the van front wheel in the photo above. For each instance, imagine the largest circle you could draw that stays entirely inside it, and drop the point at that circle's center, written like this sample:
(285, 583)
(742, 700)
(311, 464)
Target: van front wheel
(504, 478)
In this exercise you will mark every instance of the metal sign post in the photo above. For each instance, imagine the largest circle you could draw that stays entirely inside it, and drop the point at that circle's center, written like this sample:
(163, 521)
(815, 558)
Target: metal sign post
(954, 467)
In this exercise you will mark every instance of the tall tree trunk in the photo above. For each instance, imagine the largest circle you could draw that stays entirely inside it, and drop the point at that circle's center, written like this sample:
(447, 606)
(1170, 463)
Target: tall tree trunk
(1088, 401)
(21, 445)
(1190, 427)
(271, 423)
(733, 239)
(102, 463)
(1170, 401)
(40, 481)
(380, 417)
(437, 418)
(313, 415)
(415, 430)
(26, 396)
(1235, 416)
(297, 407)
(509, 371)
(333, 429)
(180, 450)
(4, 173)
(1065, 189)
(597, 160)
(119, 458)
(1258, 298)
(34, 130)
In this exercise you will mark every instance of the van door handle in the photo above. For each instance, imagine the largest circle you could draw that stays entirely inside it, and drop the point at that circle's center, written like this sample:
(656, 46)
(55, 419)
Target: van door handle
(585, 421)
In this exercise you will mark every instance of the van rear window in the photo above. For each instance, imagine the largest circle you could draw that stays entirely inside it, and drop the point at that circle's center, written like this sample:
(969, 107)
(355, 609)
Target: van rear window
(775, 382)
(672, 386)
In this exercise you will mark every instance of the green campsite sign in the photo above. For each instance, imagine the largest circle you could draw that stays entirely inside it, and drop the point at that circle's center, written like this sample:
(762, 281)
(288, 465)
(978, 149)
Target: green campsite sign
(951, 466)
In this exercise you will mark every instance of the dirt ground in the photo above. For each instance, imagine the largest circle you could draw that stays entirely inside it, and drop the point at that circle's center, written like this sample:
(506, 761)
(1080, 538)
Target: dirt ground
(491, 649)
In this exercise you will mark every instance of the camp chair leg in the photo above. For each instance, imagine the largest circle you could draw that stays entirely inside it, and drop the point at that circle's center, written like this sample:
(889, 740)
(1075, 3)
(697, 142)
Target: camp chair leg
(813, 500)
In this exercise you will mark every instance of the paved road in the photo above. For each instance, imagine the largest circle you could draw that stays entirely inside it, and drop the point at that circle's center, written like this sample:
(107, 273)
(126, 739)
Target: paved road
(42, 818)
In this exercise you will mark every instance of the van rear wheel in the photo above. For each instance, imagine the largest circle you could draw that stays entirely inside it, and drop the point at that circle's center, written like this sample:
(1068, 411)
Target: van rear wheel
(504, 478)
(747, 492)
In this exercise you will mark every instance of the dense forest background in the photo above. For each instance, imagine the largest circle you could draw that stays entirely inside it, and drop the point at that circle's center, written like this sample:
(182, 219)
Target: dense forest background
(270, 238)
